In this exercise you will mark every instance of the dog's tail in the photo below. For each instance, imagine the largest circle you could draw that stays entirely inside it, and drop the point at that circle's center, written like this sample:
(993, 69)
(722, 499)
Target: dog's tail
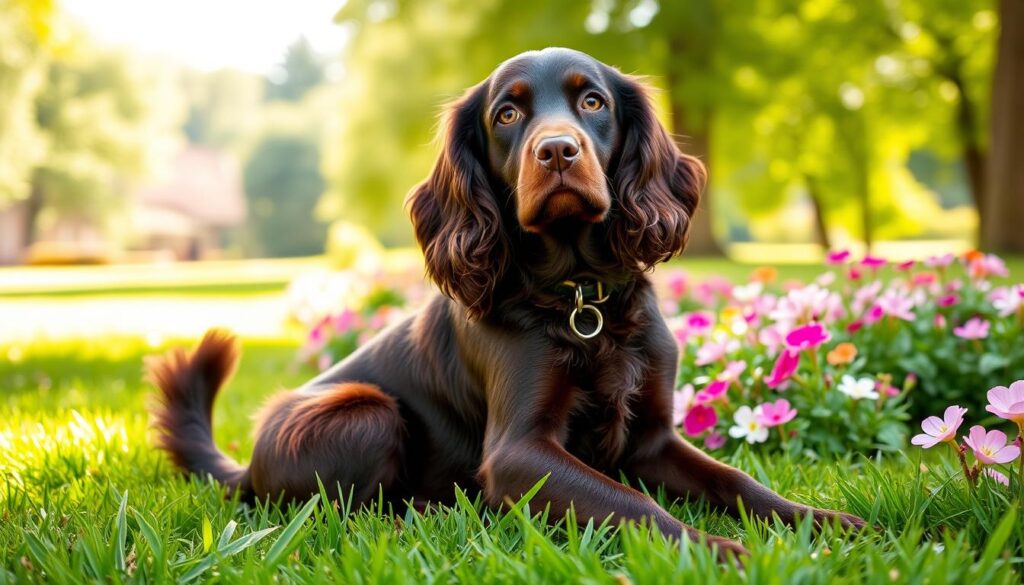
(187, 385)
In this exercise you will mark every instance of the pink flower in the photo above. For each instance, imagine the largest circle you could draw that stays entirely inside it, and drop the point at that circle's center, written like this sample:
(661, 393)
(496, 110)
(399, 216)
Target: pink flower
(940, 430)
(853, 274)
(896, 305)
(873, 262)
(987, 265)
(732, 371)
(940, 321)
(991, 473)
(699, 419)
(855, 326)
(714, 350)
(777, 413)
(344, 320)
(712, 391)
(940, 261)
(807, 336)
(324, 362)
(1008, 403)
(923, 279)
(837, 257)
(783, 369)
(677, 283)
(906, 265)
(990, 447)
(974, 328)
(874, 314)
(948, 300)
(681, 401)
(714, 440)
(1008, 300)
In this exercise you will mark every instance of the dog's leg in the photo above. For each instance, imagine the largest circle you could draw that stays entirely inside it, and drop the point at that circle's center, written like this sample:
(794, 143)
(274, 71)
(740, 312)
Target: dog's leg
(512, 470)
(350, 435)
(686, 471)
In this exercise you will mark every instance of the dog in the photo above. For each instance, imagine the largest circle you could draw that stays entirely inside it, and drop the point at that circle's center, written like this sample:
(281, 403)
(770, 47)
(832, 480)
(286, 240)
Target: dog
(556, 192)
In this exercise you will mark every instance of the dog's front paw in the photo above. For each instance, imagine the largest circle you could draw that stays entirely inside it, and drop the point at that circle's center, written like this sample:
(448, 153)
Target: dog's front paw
(728, 551)
(847, 521)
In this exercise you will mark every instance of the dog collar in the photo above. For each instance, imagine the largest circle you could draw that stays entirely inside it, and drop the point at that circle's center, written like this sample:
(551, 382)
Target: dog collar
(585, 294)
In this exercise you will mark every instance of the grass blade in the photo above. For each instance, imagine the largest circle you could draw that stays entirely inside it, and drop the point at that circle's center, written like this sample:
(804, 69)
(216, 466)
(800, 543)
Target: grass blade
(280, 547)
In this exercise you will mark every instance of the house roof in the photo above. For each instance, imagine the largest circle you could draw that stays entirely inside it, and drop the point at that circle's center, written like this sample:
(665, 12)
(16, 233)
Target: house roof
(201, 183)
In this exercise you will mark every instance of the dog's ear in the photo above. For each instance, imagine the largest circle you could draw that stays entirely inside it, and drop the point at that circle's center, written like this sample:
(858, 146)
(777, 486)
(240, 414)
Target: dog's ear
(455, 214)
(657, 186)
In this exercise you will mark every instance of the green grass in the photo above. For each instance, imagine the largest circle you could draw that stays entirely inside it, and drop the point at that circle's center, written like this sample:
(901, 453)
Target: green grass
(84, 497)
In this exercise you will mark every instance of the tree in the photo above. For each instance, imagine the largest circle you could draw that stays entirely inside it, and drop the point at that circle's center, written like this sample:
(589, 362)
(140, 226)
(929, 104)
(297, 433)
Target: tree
(1005, 202)
(25, 27)
(301, 71)
(282, 184)
(101, 117)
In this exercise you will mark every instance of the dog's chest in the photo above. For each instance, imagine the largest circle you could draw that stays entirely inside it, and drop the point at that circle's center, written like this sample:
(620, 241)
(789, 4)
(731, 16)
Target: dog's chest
(599, 422)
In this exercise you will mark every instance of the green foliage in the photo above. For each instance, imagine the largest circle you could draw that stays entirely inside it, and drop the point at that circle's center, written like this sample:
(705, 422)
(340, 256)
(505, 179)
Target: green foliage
(282, 184)
(301, 71)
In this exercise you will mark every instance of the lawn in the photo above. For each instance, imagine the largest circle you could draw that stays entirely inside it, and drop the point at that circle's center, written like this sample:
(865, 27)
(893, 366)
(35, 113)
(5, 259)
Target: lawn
(85, 497)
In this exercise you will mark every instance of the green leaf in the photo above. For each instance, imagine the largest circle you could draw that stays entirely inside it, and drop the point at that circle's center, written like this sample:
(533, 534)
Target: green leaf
(122, 533)
(207, 534)
(1000, 535)
(281, 546)
(991, 362)
(150, 534)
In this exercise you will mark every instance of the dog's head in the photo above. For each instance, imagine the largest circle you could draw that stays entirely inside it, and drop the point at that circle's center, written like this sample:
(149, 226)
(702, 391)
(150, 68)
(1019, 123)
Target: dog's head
(558, 141)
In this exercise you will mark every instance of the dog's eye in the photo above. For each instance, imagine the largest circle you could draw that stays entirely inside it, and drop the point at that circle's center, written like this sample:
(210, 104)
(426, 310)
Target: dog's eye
(592, 102)
(508, 115)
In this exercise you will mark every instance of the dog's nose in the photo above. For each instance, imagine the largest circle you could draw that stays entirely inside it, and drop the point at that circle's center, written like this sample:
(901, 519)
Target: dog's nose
(557, 152)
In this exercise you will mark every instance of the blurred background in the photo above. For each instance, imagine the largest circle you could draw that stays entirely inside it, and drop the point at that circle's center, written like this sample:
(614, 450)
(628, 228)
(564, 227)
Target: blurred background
(144, 133)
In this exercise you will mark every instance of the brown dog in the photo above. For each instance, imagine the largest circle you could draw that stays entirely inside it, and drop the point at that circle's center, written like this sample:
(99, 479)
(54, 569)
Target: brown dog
(556, 191)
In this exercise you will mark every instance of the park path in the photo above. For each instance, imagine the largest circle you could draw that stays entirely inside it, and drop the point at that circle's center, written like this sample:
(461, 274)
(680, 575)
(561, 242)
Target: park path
(153, 317)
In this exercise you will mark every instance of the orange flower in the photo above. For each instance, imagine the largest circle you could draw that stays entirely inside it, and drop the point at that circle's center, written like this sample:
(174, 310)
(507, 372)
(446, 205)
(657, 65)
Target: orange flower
(973, 255)
(843, 354)
(764, 274)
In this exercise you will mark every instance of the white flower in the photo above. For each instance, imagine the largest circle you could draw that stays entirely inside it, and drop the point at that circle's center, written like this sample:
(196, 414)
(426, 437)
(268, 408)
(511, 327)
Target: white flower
(748, 426)
(748, 292)
(857, 389)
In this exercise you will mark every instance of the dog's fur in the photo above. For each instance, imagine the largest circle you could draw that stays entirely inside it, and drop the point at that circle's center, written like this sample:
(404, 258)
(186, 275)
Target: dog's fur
(553, 168)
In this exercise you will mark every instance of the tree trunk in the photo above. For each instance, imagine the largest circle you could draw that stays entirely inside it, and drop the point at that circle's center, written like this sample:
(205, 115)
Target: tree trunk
(1004, 204)
(701, 240)
(33, 205)
(820, 224)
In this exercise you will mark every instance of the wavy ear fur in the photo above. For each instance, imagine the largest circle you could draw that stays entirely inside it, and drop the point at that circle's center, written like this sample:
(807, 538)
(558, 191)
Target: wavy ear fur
(657, 186)
(455, 215)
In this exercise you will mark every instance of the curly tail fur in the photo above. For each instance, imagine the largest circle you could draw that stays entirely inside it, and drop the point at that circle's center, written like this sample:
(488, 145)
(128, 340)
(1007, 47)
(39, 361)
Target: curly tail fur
(187, 385)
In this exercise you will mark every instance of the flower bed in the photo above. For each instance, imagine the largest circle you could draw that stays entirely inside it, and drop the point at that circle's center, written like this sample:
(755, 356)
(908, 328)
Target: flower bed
(821, 368)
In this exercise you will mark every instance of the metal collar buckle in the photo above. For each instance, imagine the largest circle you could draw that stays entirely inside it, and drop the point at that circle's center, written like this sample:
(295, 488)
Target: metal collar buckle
(581, 306)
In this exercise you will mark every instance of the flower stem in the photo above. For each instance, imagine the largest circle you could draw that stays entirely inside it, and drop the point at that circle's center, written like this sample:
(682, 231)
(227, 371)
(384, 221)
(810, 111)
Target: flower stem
(963, 463)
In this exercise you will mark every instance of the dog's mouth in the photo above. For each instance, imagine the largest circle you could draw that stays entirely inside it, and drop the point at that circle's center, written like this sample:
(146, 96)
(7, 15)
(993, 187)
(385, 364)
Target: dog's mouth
(566, 203)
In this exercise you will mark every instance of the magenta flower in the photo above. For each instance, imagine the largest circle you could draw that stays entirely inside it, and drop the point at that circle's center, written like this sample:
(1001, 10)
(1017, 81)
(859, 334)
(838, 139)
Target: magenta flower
(855, 326)
(873, 262)
(714, 440)
(874, 314)
(940, 430)
(990, 447)
(783, 369)
(834, 257)
(712, 391)
(807, 336)
(699, 419)
(344, 320)
(698, 322)
(974, 328)
(1008, 403)
(906, 265)
(923, 279)
(948, 300)
(777, 413)
(853, 274)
